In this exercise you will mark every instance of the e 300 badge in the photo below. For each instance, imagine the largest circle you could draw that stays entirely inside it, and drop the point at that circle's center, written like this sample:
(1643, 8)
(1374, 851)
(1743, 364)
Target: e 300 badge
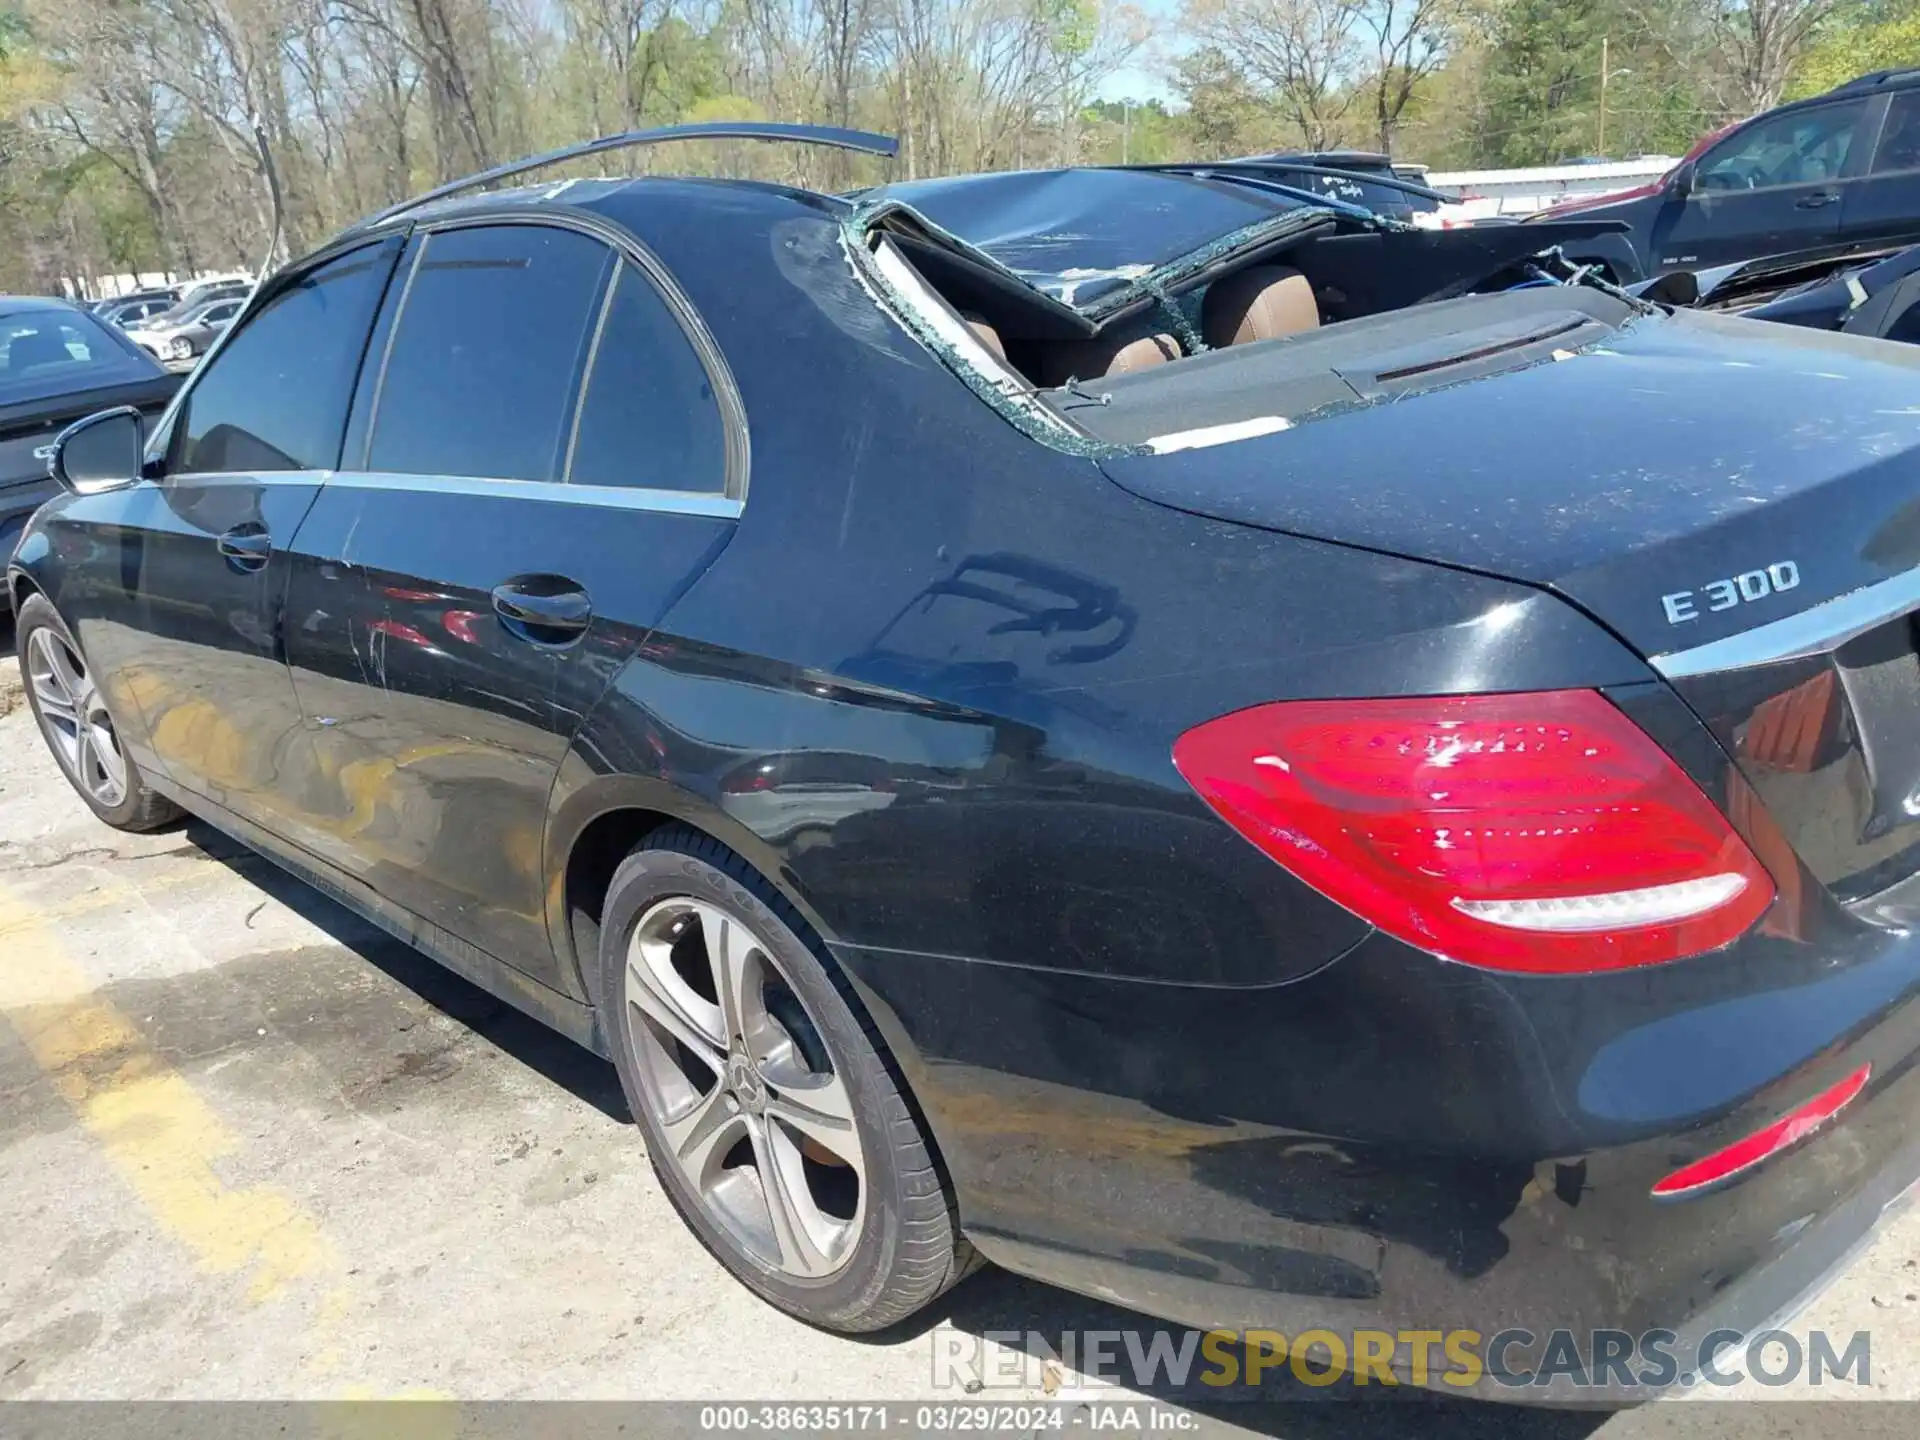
(1685, 605)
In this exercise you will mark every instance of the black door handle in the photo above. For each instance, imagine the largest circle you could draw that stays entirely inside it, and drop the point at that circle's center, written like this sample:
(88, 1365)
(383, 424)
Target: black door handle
(547, 609)
(1816, 201)
(247, 547)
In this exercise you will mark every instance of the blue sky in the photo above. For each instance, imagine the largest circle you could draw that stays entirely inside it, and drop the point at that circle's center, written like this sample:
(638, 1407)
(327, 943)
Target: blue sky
(1144, 78)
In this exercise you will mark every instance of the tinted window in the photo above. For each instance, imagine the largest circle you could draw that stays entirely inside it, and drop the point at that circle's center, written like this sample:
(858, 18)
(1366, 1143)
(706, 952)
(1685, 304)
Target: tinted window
(276, 397)
(1906, 326)
(649, 418)
(1801, 147)
(1900, 137)
(53, 352)
(487, 354)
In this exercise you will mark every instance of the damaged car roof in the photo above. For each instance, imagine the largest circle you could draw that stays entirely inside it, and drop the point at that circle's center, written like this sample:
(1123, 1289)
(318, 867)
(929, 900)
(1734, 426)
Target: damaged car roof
(1085, 235)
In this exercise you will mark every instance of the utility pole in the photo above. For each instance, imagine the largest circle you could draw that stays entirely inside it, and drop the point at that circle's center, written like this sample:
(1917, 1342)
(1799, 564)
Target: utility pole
(1126, 131)
(1606, 42)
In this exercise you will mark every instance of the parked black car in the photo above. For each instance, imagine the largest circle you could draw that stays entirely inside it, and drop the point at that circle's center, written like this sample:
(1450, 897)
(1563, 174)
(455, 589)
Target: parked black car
(1834, 175)
(1328, 789)
(57, 364)
(1360, 177)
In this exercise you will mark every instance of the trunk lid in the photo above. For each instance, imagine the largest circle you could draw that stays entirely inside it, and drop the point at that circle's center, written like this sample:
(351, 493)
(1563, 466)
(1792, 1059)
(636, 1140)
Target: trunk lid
(1675, 453)
(29, 428)
(1739, 501)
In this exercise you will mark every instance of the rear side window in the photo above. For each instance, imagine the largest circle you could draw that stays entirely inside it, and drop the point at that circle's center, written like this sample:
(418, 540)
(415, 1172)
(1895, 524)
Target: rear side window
(1899, 147)
(649, 418)
(487, 353)
(275, 398)
(55, 352)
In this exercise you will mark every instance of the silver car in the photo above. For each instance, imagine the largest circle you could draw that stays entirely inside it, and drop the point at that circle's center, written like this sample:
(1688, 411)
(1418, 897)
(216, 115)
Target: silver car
(190, 333)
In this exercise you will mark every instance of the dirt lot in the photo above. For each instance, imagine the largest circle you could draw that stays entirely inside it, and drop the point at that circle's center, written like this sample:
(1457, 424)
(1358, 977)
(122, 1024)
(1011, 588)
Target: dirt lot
(251, 1148)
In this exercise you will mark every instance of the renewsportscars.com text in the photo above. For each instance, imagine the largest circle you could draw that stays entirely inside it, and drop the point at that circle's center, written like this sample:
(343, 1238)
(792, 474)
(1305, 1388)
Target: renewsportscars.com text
(1223, 1360)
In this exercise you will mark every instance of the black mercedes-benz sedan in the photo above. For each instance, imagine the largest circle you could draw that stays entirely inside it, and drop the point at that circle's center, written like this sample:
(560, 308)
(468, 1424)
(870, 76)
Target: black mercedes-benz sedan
(1192, 741)
(58, 364)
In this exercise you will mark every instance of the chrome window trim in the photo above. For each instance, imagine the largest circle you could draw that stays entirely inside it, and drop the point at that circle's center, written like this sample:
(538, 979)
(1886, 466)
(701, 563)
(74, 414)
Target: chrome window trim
(593, 497)
(602, 497)
(1814, 630)
(205, 479)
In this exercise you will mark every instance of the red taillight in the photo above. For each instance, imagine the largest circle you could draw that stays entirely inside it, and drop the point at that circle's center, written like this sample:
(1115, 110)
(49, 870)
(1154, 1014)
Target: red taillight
(1788, 1130)
(1541, 832)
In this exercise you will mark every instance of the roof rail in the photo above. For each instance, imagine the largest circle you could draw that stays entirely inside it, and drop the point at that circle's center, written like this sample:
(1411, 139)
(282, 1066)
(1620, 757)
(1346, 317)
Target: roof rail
(828, 135)
(1874, 79)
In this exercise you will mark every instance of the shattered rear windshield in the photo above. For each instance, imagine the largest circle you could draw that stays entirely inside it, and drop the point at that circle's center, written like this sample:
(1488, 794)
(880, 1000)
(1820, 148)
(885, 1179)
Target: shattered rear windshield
(1082, 235)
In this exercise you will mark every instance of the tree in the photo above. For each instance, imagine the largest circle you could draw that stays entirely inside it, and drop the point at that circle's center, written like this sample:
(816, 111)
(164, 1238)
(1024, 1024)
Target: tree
(1223, 115)
(1302, 53)
(1763, 41)
(1542, 81)
(1411, 40)
(1858, 40)
(1141, 132)
(1742, 53)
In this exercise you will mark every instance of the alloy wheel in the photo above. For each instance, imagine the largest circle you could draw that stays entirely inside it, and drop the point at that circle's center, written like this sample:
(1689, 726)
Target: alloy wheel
(74, 718)
(733, 1067)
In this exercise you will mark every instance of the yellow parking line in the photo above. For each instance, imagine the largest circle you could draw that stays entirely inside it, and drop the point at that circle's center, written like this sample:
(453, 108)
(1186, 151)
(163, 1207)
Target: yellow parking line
(160, 1136)
(112, 897)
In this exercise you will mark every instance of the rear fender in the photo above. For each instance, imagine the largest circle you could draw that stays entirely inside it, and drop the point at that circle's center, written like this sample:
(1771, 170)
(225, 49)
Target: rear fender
(585, 791)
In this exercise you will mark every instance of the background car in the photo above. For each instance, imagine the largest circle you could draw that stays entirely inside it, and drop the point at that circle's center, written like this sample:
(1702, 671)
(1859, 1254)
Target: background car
(1833, 175)
(183, 335)
(196, 295)
(58, 364)
(1359, 177)
(165, 295)
(129, 313)
(1877, 297)
(214, 287)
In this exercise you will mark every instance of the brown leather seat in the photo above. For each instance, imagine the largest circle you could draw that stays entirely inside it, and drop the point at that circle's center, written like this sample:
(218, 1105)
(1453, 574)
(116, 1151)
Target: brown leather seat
(1263, 302)
(1103, 356)
(989, 336)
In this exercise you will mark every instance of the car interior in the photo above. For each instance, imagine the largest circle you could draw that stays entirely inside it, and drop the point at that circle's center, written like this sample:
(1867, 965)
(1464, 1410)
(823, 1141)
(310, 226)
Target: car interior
(1319, 322)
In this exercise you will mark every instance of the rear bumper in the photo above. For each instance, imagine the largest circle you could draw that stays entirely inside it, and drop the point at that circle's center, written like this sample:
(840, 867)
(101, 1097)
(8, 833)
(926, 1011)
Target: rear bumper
(1398, 1145)
(1771, 1296)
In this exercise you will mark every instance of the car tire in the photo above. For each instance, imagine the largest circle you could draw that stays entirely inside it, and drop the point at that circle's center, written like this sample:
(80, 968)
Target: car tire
(79, 729)
(869, 1261)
